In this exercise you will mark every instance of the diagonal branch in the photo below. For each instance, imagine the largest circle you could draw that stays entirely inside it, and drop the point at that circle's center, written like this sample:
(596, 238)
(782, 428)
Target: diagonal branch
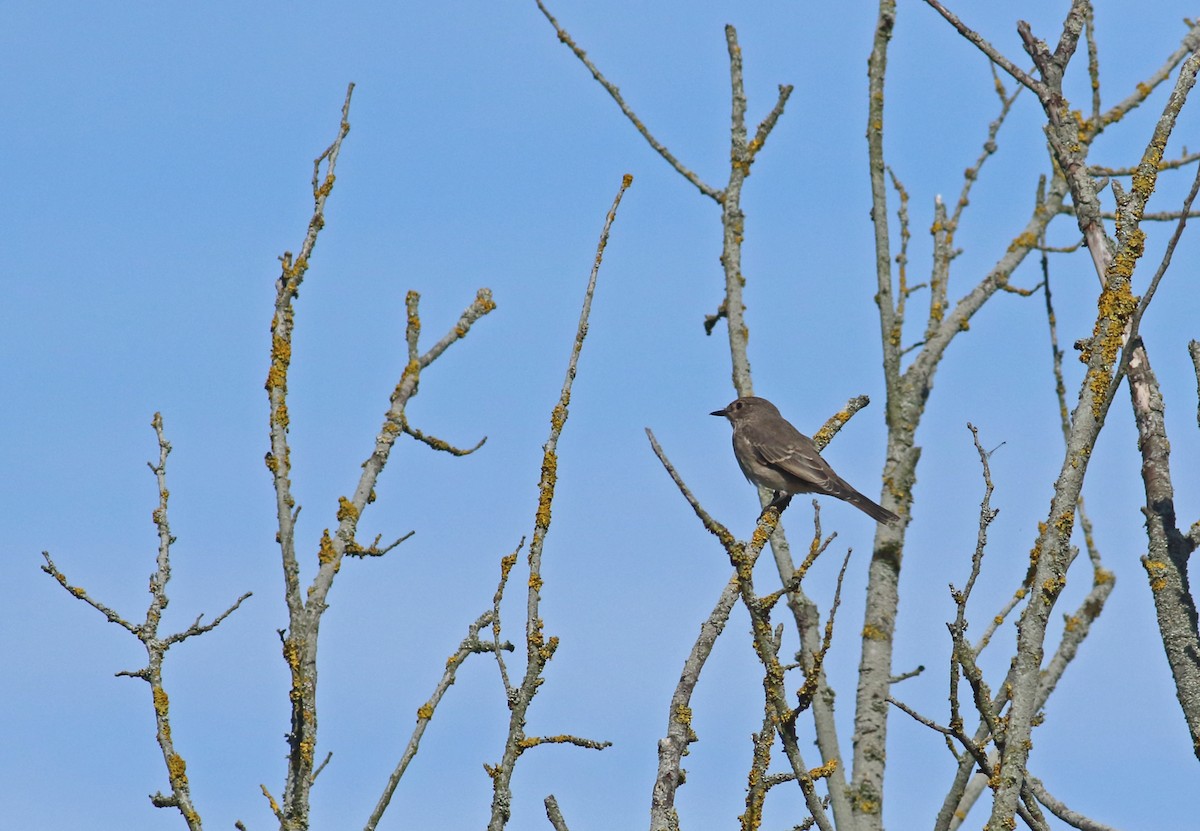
(673, 747)
(436, 443)
(80, 593)
(612, 90)
(471, 644)
(538, 648)
(197, 628)
(993, 54)
(1143, 89)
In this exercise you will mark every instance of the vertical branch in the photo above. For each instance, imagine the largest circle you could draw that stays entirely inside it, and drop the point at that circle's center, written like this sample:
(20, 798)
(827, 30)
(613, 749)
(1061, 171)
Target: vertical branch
(733, 221)
(305, 609)
(299, 647)
(156, 647)
(870, 717)
(756, 781)
(1166, 561)
(889, 319)
(908, 392)
(181, 796)
(939, 277)
(539, 649)
(733, 224)
(287, 288)
(743, 558)
(1194, 352)
(1093, 62)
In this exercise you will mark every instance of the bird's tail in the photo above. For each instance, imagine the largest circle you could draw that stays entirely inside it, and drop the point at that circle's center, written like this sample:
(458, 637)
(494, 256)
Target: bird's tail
(875, 512)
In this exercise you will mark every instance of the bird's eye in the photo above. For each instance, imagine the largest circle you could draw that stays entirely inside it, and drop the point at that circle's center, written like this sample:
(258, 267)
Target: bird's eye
(737, 406)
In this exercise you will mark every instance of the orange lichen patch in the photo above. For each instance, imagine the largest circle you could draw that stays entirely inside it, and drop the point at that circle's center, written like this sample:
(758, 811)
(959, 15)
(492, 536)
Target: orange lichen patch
(177, 770)
(866, 805)
(1028, 239)
(281, 357)
(1052, 586)
(483, 298)
(546, 494)
(1157, 572)
(346, 510)
(823, 436)
(824, 771)
(291, 654)
(281, 415)
(1065, 524)
(326, 553)
(506, 565)
(873, 633)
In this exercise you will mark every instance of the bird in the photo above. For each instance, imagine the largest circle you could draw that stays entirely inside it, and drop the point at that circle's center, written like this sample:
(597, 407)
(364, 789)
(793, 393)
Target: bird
(774, 454)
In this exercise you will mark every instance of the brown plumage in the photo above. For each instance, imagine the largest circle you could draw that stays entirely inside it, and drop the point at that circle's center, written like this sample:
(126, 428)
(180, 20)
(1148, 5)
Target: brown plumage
(774, 454)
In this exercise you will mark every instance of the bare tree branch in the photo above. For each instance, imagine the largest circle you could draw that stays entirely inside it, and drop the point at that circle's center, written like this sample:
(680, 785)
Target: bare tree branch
(612, 90)
(1166, 561)
(679, 732)
(1167, 164)
(538, 649)
(1072, 818)
(436, 443)
(156, 647)
(554, 814)
(1053, 551)
(471, 644)
(305, 608)
(1142, 90)
(299, 649)
(993, 54)
(1194, 351)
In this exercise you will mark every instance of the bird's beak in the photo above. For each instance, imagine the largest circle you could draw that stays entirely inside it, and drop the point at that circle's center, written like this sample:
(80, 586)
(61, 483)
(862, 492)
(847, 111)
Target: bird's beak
(719, 413)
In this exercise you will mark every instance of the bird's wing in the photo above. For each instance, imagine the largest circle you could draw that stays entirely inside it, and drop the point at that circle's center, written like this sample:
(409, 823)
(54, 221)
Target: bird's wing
(795, 454)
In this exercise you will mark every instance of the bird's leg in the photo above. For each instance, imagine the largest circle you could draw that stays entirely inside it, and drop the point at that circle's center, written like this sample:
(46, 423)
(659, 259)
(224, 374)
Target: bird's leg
(780, 500)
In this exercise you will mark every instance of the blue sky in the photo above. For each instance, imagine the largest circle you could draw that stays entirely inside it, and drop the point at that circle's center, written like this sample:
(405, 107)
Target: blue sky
(158, 163)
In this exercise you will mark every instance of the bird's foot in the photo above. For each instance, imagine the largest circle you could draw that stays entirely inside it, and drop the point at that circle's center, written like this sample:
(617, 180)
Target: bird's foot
(780, 501)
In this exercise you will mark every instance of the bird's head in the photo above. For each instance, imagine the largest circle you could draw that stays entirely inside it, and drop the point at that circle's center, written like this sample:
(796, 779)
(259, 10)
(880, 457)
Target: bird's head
(745, 408)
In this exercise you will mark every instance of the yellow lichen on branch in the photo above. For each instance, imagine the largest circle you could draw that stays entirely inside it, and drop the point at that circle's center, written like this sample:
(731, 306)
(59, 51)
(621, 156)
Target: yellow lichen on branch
(546, 494)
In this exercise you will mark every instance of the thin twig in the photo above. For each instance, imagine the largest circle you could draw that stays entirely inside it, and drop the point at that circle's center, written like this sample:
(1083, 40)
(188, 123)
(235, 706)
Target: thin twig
(539, 649)
(1136, 320)
(1170, 164)
(1143, 89)
(156, 647)
(659, 147)
(471, 644)
(1060, 810)
(439, 444)
(993, 54)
